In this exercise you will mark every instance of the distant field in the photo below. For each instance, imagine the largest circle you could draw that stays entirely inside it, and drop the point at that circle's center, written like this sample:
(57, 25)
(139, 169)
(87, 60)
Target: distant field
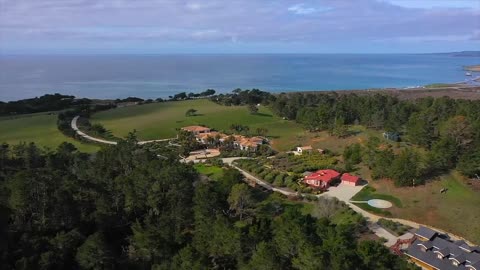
(38, 128)
(162, 120)
(456, 211)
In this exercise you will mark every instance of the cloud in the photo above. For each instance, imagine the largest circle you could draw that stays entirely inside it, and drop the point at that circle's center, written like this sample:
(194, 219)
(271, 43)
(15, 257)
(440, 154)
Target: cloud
(301, 9)
(31, 22)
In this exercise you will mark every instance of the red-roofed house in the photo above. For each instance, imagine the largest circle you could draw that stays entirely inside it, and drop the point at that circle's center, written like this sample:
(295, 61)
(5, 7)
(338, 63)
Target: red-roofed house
(349, 179)
(322, 178)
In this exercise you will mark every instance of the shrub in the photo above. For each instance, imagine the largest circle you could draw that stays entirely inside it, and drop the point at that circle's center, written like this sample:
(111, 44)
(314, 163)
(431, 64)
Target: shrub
(279, 180)
(270, 177)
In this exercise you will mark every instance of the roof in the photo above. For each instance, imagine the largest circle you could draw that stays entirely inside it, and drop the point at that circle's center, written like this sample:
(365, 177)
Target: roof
(425, 232)
(196, 128)
(250, 142)
(451, 250)
(475, 266)
(350, 178)
(323, 175)
(426, 244)
(308, 147)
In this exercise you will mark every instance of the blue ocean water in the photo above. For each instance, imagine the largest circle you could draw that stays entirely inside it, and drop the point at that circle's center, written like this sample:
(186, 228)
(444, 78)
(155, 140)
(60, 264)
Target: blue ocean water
(153, 76)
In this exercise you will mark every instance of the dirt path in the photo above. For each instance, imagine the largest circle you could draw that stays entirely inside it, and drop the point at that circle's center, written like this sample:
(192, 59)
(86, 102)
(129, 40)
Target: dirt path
(98, 140)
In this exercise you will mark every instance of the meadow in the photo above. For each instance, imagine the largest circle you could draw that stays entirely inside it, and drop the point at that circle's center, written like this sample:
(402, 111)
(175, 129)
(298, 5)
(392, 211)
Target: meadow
(162, 120)
(39, 128)
(456, 211)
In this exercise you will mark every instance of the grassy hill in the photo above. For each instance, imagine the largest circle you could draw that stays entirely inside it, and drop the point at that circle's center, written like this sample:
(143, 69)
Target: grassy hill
(39, 128)
(161, 120)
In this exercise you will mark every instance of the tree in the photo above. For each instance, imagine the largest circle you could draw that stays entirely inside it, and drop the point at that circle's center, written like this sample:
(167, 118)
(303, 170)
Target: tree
(240, 199)
(405, 168)
(94, 253)
(339, 128)
(180, 96)
(469, 163)
(459, 129)
(191, 112)
(252, 108)
(264, 257)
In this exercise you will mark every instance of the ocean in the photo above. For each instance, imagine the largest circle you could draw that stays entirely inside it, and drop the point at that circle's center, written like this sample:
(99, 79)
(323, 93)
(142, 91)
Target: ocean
(154, 76)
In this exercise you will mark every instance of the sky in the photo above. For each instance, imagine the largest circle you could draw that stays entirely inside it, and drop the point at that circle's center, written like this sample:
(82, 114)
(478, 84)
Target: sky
(238, 26)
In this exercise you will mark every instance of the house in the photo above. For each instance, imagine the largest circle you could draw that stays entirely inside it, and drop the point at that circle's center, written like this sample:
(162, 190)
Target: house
(304, 149)
(197, 129)
(432, 250)
(393, 136)
(350, 180)
(203, 137)
(322, 179)
(247, 144)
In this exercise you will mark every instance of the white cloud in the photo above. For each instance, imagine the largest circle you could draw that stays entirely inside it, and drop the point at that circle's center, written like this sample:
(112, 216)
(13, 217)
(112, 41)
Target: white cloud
(301, 9)
(193, 6)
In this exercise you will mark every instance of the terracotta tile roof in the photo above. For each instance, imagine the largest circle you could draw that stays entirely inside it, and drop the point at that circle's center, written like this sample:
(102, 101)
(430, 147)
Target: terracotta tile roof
(196, 129)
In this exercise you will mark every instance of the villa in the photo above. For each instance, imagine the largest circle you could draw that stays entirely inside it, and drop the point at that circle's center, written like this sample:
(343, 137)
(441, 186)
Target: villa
(202, 135)
(433, 250)
(197, 129)
(322, 179)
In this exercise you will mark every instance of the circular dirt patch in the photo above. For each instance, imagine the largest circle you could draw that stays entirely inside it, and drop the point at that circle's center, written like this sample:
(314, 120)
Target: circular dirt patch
(379, 203)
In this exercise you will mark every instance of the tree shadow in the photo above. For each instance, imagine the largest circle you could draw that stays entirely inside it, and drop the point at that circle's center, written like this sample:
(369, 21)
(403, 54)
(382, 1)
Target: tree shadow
(264, 114)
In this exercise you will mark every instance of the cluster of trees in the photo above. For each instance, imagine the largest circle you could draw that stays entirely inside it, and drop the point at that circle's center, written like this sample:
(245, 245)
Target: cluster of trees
(44, 103)
(184, 95)
(244, 97)
(125, 208)
(448, 129)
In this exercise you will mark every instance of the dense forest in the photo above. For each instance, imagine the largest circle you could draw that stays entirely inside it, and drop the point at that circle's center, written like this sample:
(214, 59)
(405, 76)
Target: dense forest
(124, 208)
(44, 103)
(447, 131)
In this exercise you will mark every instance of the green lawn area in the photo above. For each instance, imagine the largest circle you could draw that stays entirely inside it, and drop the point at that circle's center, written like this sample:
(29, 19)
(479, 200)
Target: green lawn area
(162, 120)
(369, 193)
(323, 140)
(211, 171)
(38, 128)
(456, 211)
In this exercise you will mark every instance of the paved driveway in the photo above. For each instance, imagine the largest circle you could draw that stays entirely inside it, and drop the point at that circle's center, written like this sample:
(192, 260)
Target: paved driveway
(342, 192)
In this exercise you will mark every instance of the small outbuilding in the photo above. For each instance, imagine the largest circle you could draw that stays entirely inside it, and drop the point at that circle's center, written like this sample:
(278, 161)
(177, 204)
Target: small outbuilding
(350, 180)
(304, 149)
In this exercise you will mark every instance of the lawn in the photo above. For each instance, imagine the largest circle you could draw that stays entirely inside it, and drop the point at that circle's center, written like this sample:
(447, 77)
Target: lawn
(456, 211)
(323, 140)
(369, 193)
(38, 128)
(162, 120)
(211, 171)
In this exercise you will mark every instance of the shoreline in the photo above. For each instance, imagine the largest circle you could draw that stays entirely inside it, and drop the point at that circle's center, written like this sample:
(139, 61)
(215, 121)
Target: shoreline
(474, 68)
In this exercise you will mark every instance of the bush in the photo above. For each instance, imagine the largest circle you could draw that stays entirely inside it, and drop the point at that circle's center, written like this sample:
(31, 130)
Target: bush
(270, 177)
(279, 180)
(258, 170)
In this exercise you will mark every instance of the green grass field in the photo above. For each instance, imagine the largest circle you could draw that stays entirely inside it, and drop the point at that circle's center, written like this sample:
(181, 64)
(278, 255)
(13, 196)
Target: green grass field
(38, 128)
(456, 211)
(214, 172)
(162, 120)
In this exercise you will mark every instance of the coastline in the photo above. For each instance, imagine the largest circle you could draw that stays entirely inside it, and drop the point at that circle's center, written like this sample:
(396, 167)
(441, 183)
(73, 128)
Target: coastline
(474, 68)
